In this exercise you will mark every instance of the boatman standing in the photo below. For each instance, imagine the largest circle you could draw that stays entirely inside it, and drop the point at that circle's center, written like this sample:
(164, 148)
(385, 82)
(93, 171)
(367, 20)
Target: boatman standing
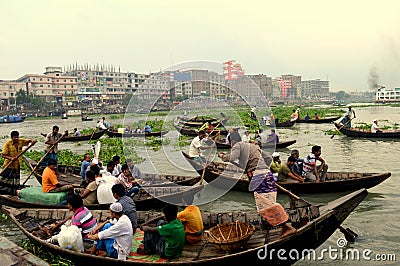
(256, 163)
(350, 115)
(51, 139)
(9, 180)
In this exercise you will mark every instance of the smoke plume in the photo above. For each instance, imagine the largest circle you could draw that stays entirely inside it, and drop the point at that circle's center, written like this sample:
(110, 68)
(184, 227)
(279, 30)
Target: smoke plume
(373, 78)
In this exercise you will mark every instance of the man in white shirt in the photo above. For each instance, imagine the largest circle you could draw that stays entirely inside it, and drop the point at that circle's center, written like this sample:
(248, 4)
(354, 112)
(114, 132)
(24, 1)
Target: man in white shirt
(196, 146)
(374, 127)
(119, 228)
(246, 137)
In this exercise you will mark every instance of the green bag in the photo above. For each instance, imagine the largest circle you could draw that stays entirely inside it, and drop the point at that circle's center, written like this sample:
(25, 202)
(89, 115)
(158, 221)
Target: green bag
(36, 195)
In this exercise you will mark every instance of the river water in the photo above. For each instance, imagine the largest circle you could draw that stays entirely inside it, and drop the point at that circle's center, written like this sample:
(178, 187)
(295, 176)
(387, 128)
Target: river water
(375, 220)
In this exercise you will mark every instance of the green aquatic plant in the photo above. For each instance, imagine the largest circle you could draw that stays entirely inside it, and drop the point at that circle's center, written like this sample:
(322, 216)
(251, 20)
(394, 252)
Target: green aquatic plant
(44, 254)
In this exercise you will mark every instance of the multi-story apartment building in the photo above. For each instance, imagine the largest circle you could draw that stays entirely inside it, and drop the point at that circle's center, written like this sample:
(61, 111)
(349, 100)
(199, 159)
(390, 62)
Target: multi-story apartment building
(294, 91)
(315, 89)
(218, 89)
(8, 93)
(264, 83)
(52, 86)
(104, 84)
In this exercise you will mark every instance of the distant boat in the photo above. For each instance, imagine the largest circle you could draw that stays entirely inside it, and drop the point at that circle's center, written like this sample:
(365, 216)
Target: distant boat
(86, 118)
(366, 133)
(12, 119)
(384, 95)
(318, 121)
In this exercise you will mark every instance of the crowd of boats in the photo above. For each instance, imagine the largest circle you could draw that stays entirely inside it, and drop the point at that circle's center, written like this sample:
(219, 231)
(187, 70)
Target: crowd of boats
(315, 223)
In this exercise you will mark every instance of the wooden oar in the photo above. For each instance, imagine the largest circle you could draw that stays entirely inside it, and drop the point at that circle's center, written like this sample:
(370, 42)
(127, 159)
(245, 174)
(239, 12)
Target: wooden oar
(348, 233)
(94, 130)
(16, 158)
(44, 156)
(338, 129)
(208, 156)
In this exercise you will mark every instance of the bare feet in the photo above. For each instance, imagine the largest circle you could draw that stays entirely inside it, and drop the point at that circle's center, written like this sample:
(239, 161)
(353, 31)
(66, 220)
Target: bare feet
(94, 250)
(287, 230)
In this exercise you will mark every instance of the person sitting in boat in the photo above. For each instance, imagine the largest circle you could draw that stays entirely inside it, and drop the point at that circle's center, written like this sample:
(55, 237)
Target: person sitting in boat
(110, 170)
(81, 217)
(128, 205)
(125, 178)
(294, 116)
(307, 117)
(246, 136)
(106, 124)
(256, 164)
(135, 171)
(84, 166)
(276, 162)
(374, 127)
(196, 147)
(191, 219)
(147, 129)
(297, 167)
(310, 170)
(167, 239)
(285, 174)
(138, 129)
(117, 162)
(273, 137)
(77, 133)
(89, 195)
(350, 115)
(316, 116)
(50, 182)
(253, 113)
(128, 129)
(100, 125)
(114, 235)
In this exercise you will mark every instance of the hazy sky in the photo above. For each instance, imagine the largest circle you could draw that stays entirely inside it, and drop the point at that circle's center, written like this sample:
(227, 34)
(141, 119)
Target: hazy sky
(342, 41)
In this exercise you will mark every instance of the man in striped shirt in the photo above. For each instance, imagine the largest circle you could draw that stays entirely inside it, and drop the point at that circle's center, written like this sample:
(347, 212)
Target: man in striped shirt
(82, 218)
(310, 170)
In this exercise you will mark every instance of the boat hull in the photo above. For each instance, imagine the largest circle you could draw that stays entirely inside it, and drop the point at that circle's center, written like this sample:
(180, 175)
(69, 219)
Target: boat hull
(358, 133)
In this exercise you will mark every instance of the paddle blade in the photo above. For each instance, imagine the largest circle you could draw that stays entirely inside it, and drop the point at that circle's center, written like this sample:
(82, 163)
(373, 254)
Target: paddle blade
(96, 150)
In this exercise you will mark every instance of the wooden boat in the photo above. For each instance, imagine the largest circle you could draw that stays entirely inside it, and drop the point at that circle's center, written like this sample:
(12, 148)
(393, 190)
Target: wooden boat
(86, 137)
(190, 131)
(71, 175)
(221, 175)
(283, 124)
(315, 224)
(318, 121)
(6, 119)
(221, 144)
(146, 199)
(116, 134)
(366, 133)
(86, 118)
(201, 119)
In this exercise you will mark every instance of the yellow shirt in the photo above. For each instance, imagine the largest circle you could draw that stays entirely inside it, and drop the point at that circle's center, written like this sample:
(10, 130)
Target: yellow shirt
(193, 223)
(9, 149)
(49, 180)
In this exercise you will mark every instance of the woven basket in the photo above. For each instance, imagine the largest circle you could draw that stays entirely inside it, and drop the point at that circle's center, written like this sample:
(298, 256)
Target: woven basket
(229, 236)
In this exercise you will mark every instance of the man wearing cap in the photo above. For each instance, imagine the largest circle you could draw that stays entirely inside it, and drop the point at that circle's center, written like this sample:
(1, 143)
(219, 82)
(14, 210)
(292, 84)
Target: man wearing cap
(374, 127)
(117, 230)
(255, 163)
(276, 163)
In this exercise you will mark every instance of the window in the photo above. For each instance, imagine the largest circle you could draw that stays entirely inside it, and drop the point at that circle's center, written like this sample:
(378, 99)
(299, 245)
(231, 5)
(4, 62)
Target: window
(72, 86)
(11, 94)
(65, 86)
(4, 93)
(65, 80)
(41, 85)
(48, 86)
(40, 79)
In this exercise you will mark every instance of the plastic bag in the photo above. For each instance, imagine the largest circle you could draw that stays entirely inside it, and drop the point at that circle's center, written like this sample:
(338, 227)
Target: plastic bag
(70, 238)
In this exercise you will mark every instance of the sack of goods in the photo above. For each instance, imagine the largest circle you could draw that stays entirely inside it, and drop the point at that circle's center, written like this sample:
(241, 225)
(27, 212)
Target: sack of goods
(104, 193)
